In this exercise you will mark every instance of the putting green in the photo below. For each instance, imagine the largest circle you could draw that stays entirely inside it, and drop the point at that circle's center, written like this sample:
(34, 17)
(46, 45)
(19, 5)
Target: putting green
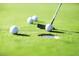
(28, 42)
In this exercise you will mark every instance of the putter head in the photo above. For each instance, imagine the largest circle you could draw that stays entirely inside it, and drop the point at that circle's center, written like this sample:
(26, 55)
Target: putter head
(41, 26)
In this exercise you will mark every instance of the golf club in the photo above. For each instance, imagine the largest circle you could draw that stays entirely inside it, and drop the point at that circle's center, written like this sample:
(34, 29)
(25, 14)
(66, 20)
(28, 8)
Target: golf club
(57, 10)
(42, 26)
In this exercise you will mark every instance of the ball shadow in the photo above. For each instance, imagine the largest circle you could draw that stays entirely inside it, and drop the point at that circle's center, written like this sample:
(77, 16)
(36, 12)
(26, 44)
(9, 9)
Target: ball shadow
(21, 34)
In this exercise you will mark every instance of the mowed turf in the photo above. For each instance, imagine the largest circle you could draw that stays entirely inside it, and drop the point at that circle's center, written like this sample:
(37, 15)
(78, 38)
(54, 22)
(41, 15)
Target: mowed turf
(29, 43)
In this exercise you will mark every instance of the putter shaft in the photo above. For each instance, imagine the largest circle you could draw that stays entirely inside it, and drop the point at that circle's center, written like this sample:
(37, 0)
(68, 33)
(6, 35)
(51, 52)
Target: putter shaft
(56, 12)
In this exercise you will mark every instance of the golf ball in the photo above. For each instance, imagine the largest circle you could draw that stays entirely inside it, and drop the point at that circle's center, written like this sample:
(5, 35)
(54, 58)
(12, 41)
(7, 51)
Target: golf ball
(48, 27)
(13, 29)
(35, 18)
(29, 20)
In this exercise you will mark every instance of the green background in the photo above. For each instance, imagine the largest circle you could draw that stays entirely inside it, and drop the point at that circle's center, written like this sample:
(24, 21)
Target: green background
(67, 23)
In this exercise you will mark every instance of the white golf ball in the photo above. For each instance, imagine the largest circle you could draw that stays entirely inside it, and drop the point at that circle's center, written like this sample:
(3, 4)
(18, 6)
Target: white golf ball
(35, 18)
(29, 20)
(48, 27)
(13, 29)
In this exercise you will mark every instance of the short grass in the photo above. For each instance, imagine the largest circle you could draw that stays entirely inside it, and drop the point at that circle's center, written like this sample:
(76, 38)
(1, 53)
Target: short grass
(67, 23)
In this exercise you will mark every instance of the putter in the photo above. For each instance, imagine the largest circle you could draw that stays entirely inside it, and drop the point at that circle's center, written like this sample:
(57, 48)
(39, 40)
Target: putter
(42, 26)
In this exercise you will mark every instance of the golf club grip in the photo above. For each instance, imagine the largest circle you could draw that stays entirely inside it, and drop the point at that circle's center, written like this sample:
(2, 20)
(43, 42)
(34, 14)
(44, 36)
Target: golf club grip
(56, 12)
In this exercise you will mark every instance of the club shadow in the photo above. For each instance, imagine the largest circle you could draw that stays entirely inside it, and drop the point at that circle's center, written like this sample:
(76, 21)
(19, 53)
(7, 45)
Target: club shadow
(21, 34)
(69, 31)
(68, 42)
(76, 32)
(56, 31)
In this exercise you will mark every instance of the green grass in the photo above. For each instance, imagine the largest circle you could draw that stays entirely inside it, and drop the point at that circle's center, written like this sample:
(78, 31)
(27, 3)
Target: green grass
(16, 14)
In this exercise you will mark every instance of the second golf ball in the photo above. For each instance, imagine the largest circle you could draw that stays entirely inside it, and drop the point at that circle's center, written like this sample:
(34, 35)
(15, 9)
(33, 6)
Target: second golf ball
(29, 20)
(35, 18)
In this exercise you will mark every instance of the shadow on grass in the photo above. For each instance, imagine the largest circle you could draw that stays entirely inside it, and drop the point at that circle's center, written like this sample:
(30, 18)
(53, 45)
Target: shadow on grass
(68, 42)
(46, 35)
(21, 34)
(64, 31)
(57, 31)
(69, 31)
(76, 32)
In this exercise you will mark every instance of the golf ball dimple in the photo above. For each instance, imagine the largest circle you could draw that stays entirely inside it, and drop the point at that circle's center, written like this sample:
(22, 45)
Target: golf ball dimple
(35, 18)
(29, 20)
(13, 29)
(48, 27)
